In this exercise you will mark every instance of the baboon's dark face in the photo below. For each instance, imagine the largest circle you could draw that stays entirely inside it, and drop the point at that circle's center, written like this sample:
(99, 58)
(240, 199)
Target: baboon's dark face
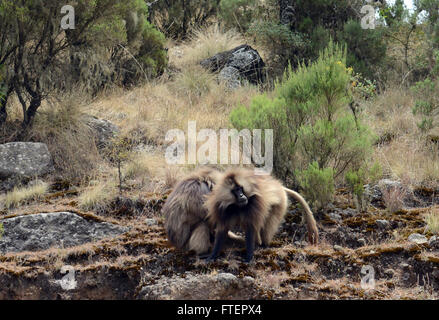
(241, 198)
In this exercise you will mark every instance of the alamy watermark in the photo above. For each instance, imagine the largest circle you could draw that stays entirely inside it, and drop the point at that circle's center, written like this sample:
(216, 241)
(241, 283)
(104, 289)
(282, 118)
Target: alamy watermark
(368, 21)
(206, 147)
(68, 282)
(368, 279)
(68, 21)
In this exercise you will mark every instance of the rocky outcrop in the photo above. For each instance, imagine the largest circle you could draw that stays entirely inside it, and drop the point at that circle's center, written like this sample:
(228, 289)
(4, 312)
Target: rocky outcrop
(375, 193)
(22, 161)
(236, 65)
(59, 229)
(201, 287)
(104, 130)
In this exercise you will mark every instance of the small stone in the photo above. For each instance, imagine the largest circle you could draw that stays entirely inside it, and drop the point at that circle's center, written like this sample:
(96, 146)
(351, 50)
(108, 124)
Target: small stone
(335, 216)
(338, 248)
(362, 241)
(417, 238)
(434, 241)
(382, 223)
(404, 265)
(151, 222)
(389, 272)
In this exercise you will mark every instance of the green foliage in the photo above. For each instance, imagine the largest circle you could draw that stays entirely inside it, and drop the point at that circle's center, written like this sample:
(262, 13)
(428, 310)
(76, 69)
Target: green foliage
(317, 185)
(2, 230)
(177, 18)
(111, 42)
(283, 44)
(356, 179)
(427, 103)
(366, 48)
(239, 14)
(313, 23)
(310, 117)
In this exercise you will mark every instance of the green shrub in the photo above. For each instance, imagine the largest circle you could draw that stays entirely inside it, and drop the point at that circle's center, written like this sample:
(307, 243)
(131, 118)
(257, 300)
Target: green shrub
(366, 48)
(356, 179)
(427, 103)
(177, 18)
(317, 185)
(312, 123)
(310, 117)
(284, 46)
(237, 13)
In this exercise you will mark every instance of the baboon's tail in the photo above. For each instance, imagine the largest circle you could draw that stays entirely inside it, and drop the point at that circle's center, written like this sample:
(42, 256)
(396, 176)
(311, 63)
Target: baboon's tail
(313, 233)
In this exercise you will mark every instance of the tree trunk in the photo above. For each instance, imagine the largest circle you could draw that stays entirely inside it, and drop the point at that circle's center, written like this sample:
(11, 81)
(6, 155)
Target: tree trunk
(31, 111)
(3, 103)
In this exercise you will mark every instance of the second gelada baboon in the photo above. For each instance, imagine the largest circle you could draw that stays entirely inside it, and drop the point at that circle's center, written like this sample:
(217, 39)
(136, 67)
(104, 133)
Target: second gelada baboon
(257, 204)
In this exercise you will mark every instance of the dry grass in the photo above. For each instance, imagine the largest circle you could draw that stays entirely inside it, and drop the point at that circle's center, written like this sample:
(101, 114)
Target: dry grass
(60, 124)
(20, 196)
(394, 199)
(98, 196)
(403, 152)
(432, 220)
(204, 44)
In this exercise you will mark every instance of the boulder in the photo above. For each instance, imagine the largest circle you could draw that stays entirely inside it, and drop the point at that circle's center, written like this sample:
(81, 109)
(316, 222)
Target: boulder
(417, 238)
(104, 130)
(22, 161)
(374, 193)
(201, 287)
(46, 230)
(240, 63)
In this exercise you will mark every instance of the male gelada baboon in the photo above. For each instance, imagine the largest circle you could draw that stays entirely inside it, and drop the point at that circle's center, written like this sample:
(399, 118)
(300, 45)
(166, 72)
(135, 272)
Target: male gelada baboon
(256, 203)
(185, 213)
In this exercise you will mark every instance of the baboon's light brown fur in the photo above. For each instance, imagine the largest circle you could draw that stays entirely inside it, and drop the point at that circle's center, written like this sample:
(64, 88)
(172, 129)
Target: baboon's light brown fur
(265, 210)
(185, 214)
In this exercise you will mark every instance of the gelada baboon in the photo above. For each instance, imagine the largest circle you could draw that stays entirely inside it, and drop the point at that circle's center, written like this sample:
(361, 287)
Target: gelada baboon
(186, 217)
(256, 203)
(185, 214)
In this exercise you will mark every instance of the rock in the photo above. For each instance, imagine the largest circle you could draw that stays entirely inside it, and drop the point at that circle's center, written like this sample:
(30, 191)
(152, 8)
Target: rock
(417, 238)
(434, 242)
(338, 248)
(404, 265)
(59, 229)
(362, 241)
(335, 216)
(24, 160)
(240, 63)
(201, 287)
(231, 76)
(382, 223)
(389, 272)
(374, 193)
(104, 130)
(151, 222)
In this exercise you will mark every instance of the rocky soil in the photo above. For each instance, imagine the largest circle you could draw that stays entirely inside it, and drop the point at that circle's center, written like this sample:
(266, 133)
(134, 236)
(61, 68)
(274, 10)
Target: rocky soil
(373, 255)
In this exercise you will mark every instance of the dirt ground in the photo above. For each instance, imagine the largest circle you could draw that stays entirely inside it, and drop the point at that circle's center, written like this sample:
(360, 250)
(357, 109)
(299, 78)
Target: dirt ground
(119, 268)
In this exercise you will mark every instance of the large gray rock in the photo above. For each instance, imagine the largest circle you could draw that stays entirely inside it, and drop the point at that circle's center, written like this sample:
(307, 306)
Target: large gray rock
(201, 287)
(240, 63)
(374, 193)
(24, 159)
(59, 229)
(103, 129)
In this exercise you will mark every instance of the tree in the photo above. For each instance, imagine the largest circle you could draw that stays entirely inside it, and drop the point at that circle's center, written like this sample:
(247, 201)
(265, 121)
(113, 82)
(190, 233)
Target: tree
(35, 50)
(176, 18)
